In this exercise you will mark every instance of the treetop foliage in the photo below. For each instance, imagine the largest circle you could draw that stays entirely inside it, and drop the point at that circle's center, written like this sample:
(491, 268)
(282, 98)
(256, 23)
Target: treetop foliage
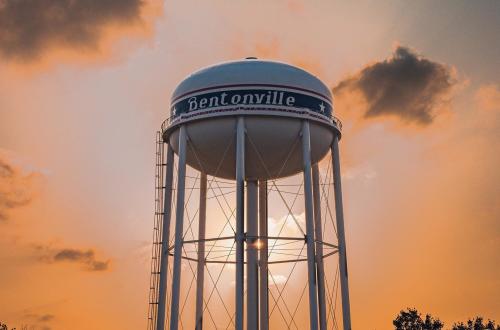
(476, 324)
(411, 319)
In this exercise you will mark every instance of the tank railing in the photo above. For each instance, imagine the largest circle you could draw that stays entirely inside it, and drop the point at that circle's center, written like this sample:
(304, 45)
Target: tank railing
(337, 122)
(166, 123)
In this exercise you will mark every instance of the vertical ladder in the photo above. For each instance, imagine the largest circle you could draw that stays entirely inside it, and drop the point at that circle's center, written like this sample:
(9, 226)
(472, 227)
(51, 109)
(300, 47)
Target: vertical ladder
(154, 280)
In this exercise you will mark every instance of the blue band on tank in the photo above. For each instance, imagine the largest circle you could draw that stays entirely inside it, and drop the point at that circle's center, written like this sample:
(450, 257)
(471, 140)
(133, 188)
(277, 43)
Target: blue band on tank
(252, 97)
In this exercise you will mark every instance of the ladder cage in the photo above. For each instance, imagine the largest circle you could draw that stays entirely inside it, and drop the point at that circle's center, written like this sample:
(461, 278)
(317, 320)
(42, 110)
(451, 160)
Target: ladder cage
(157, 232)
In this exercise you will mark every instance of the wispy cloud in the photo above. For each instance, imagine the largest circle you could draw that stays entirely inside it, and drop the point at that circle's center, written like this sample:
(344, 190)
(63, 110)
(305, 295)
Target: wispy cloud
(287, 224)
(278, 279)
(16, 188)
(361, 172)
(488, 97)
(40, 317)
(406, 86)
(84, 257)
(39, 321)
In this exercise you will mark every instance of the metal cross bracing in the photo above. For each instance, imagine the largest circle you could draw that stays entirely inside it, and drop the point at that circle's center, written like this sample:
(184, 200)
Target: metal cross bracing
(286, 257)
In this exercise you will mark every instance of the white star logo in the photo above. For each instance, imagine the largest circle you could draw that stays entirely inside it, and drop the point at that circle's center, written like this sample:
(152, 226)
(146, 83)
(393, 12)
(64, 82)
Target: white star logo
(322, 107)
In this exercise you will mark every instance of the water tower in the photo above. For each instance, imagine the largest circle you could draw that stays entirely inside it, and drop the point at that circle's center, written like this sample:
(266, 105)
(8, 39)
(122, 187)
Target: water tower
(248, 122)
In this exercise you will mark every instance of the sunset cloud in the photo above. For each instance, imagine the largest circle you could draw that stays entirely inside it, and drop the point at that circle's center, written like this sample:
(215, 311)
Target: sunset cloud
(86, 258)
(407, 86)
(16, 188)
(41, 321)
(488, 97)
(40, 317)
(29, 28)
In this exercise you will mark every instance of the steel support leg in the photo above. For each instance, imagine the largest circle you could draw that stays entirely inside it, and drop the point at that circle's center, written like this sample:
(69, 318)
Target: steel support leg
(201, 252)
(320, 268)
(240, 235)
(167, 213)
(252, 262)
(181, 183)
(263, 250)
(309, 208)
(339, 214)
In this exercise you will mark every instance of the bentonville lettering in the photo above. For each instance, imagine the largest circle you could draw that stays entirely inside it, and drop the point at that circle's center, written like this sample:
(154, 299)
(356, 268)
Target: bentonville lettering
(251, 97)
(267, 98)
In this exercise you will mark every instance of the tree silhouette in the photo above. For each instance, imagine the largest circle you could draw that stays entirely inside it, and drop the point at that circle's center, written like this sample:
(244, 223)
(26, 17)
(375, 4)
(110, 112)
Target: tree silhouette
(411, 319)
(476, 324)
(3, 326)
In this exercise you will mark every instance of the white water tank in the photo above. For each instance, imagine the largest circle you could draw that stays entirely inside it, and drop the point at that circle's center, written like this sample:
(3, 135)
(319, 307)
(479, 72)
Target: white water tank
(273, 97)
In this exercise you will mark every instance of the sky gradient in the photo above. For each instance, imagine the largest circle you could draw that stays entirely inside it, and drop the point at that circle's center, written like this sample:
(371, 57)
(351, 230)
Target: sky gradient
(80, 102)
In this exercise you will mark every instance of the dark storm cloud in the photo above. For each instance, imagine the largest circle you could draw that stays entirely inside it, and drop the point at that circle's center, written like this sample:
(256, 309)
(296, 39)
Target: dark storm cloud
(15, 189)
(406, 85)
(30, 27)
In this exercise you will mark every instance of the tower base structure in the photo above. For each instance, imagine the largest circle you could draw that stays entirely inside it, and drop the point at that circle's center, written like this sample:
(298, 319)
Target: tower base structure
(240, 145)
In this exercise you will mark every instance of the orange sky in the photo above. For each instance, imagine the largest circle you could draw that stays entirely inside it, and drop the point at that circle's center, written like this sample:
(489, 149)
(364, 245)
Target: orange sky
(77, 123)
